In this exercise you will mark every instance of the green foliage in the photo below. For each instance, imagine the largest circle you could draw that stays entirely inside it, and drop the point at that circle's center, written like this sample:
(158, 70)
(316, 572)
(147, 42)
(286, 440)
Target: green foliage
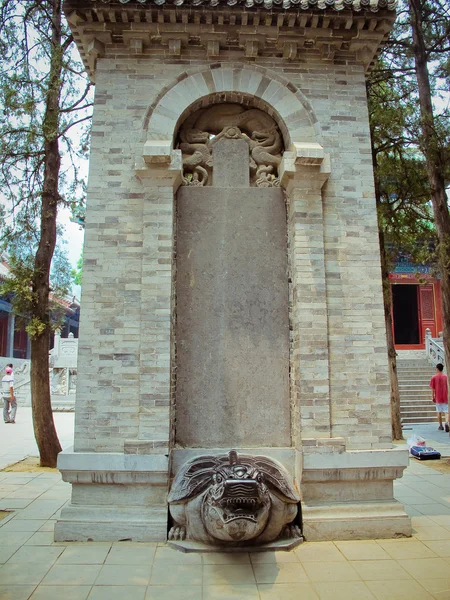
(77, 273)
(399, 149)
(30, 54)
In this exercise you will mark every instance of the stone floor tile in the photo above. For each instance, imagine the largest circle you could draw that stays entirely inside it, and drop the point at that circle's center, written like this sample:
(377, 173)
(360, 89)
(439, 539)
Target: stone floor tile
(16, 592)
(280, 573)
(167, 592)
(374, 570)
(439, 547)
(350, 590)
(422, 521)
(431, 533)
(14, 538)
(12, 503)
(319, 551)
(329, 571)
(118, 592)
(166, 555)
(131, 555)
(72, 575)
(18, 574)
(287, 591)
(83, 555)
(40, 538)
(128, 544)
(439, 588)
(432, 509)
(41, 509)
(230, 592)
(31, 554)
(8, 488)
(20, 479)
(7, 551)
(48, 526)
(412, 512)
(61, 592)
(228, 558)
(414, 499)
(424, 568)
(225, 574)
(403, 549)
(362, 550)
(274, 558)
(441, 520)
(17, 524)
(123, 575)
(176, 574)
(398, 590)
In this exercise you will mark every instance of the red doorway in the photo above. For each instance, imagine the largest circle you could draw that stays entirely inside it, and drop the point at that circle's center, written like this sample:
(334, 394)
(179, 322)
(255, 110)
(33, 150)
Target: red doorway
(415, 308)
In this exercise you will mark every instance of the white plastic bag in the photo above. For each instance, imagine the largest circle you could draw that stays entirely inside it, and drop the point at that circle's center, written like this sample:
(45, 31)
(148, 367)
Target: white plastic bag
(415, 440)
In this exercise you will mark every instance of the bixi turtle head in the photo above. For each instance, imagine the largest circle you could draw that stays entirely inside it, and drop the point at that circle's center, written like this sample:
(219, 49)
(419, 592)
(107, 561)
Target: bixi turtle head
(237, 505)
(236, 496)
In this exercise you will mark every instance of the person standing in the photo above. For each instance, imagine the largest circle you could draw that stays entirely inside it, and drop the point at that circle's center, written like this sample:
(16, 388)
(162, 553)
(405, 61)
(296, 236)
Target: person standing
(439, 385)
(9, 399)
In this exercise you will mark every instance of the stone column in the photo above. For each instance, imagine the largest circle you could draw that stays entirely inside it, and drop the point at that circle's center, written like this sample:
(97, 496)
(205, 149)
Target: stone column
(303, 182)
(159, 181)
(10, 338)
(135, 509)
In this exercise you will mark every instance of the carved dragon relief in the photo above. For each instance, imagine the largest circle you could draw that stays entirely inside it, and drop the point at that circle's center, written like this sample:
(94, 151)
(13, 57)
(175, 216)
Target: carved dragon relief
(233, 500)
(204, 127)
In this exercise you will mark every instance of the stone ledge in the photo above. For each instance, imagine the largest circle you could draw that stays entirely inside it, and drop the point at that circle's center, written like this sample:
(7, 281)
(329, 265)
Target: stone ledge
(396, 458)
(106, 468)
(355, 521)
(106, 524)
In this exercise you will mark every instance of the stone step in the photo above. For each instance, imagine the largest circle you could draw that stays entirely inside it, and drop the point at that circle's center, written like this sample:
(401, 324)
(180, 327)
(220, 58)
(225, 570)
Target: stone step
(415, 421)
(405, 386)
(417, 404)
(417, 413)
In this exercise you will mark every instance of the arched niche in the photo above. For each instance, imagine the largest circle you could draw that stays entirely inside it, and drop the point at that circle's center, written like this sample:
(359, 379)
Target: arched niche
(235, 83)
(302, 172)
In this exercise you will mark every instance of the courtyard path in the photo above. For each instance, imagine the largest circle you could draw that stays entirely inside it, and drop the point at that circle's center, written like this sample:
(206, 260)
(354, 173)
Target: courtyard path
(33, 566)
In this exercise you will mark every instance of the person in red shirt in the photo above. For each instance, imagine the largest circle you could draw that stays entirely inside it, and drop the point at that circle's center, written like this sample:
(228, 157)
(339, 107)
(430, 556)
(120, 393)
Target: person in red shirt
(439, 385)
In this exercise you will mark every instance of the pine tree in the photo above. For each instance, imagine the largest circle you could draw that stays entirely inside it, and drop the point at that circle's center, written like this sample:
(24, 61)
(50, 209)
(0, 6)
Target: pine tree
(43, 95)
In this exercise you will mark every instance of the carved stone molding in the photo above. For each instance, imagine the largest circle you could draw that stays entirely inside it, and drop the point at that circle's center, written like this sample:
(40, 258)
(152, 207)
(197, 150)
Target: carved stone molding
(205, 127)
(326, 28)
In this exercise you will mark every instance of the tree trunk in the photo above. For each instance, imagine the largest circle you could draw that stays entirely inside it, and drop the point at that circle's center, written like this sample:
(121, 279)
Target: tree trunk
(396, 423)
(44, 427)
(435, 162)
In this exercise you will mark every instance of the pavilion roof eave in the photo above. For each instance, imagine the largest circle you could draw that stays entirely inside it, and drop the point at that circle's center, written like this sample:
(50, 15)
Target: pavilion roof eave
(290, 30)
(304, 5)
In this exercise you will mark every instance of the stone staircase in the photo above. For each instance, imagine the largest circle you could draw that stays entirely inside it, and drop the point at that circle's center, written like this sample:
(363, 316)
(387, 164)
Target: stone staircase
(415, 394)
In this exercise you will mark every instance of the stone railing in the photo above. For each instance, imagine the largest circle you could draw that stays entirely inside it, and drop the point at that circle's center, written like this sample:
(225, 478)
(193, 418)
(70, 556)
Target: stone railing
(63, 373)
(434, 348)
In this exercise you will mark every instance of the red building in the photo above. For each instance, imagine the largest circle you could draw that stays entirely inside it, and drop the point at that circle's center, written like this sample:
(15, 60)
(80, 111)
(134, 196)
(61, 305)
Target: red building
(14, 342)
(417, 305)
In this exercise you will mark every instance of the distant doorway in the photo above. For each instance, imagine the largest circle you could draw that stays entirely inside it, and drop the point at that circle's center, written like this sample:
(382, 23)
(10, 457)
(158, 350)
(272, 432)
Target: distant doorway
(405, 300)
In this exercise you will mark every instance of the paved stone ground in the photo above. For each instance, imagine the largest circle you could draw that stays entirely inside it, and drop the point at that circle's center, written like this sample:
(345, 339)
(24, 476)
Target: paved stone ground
(33, 566)
(17, 441)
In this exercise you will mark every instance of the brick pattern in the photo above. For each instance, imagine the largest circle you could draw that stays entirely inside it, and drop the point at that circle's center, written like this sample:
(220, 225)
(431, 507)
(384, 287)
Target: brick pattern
(125, 341)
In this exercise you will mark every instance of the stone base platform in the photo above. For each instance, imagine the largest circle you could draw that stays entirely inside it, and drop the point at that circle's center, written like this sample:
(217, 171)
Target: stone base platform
(345, 495)
(115, 497)
(349, 495)
(278, 545)
(352, 521)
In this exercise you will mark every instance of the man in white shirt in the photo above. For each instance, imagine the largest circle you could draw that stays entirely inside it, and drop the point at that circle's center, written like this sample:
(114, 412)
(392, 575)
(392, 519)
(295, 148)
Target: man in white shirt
(9, 399)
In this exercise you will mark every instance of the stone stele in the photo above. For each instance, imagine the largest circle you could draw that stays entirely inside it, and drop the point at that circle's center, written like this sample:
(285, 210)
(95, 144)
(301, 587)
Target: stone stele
(232, 318)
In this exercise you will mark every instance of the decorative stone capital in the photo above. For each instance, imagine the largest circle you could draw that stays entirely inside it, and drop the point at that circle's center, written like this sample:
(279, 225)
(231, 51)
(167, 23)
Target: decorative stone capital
(159, 165)
(306, 166)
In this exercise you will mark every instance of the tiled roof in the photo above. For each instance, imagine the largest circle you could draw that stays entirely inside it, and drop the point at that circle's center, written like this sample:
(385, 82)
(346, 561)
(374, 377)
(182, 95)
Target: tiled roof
(354, 5)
